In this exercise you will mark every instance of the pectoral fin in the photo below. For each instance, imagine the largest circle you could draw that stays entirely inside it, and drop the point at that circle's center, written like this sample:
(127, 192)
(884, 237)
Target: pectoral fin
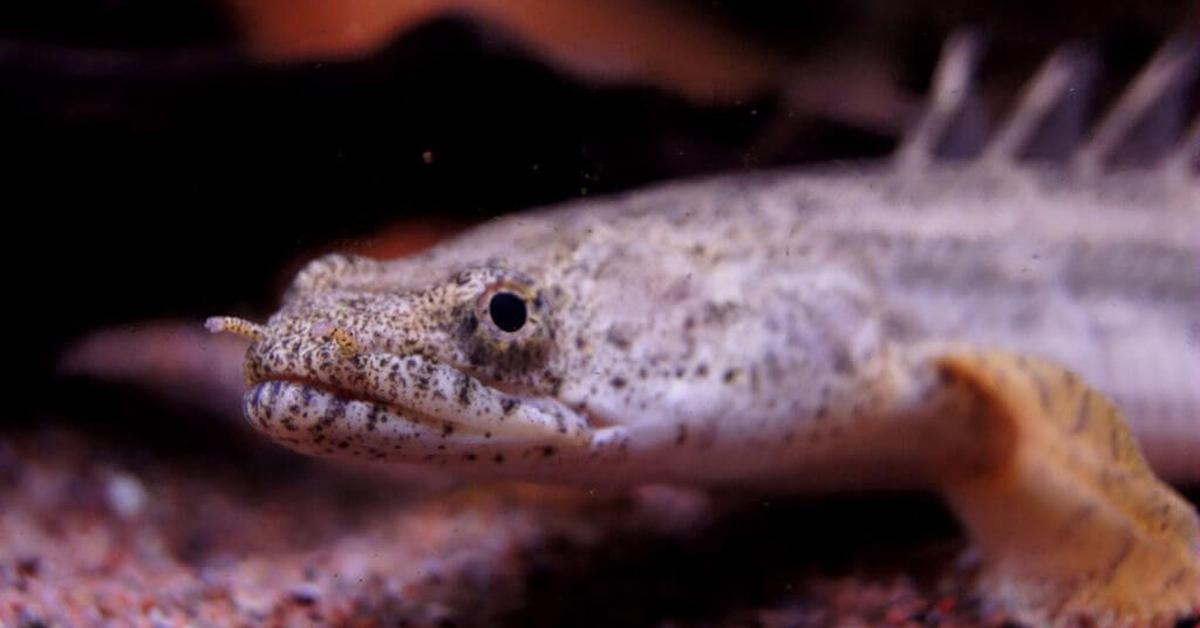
(1072, 525)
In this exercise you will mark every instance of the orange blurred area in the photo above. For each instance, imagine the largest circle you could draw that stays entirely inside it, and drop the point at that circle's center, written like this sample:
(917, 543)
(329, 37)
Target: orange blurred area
(404, 238)
(666, 45)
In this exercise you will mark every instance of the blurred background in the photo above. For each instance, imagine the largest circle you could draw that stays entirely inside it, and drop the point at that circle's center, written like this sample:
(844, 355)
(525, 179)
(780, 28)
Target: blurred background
(179, 159)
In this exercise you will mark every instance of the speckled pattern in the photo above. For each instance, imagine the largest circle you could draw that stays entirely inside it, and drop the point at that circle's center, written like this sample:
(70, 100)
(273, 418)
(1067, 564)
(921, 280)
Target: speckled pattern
(726, 329)
(103, 534)
(782, 330)
(755, 319)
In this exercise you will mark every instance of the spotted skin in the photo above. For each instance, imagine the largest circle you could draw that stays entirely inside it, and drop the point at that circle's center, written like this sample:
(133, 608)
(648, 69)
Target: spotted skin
(801, 331)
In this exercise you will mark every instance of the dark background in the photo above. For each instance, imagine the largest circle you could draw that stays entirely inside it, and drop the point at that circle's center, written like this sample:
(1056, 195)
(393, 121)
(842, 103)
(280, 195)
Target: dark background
(152, 169)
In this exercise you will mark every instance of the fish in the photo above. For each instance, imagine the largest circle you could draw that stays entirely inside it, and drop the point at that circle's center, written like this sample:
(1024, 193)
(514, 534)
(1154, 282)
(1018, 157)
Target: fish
(1018, 333)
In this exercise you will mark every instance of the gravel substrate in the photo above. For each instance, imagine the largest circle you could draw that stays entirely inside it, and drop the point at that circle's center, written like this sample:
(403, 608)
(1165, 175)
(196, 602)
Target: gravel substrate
(116, 511)
(99, 530)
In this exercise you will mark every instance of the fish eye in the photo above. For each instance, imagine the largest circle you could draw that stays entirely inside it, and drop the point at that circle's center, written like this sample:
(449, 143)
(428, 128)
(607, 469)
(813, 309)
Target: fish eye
(508, 311)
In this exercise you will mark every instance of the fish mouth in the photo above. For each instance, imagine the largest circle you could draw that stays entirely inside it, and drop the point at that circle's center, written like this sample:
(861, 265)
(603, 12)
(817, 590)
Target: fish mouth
(402, 407)
(317, 404)
(315, 419)
(330, 396)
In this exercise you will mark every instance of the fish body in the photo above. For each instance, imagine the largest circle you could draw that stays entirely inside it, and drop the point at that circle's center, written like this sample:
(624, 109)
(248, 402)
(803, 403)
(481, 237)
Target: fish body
(711, 327)
(980, 327)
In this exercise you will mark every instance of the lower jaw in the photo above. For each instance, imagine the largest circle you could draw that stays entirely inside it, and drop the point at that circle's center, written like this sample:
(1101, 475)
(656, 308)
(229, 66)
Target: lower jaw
(315, 421)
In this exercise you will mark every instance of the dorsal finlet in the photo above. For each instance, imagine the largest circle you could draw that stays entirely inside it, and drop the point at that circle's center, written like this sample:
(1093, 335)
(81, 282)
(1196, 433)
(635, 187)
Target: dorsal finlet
(1065, 74)
(1173, 65)
(951, 89)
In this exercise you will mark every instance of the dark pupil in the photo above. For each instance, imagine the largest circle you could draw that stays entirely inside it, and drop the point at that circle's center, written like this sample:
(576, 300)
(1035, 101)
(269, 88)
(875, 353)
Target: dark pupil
(507, 311)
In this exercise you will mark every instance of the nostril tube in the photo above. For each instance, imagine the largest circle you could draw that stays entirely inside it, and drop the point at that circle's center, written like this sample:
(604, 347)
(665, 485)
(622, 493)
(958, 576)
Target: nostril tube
(234, 325)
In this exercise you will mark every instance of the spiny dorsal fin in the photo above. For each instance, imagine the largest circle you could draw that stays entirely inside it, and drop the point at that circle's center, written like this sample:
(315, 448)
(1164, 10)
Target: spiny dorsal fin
(1141, 128)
